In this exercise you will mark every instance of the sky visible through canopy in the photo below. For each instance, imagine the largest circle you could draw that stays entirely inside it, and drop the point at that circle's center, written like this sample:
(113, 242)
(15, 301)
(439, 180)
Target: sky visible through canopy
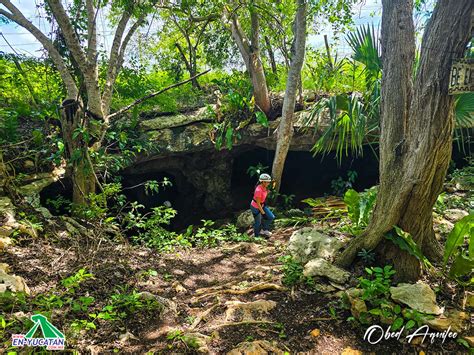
(367, 12)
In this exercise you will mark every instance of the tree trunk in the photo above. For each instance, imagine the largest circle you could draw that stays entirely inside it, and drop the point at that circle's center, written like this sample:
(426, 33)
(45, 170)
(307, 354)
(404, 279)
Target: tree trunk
(83, 181)
(285, 129)
(271, 55)
(257, 73)
(417, 124)
(250, 51)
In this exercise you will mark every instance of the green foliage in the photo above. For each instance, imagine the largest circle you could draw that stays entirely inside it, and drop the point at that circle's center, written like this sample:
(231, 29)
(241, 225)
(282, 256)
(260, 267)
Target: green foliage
(405, 242)
(367, 256)
(256, 170)
(366, 50)
(376, 289)
(376, 295)
(352, 119)
(339, 186)
(209, 236)
(8, 126)
(440, 204)
(293, 273)
(178, 336)
(456, 248)
(360, 207)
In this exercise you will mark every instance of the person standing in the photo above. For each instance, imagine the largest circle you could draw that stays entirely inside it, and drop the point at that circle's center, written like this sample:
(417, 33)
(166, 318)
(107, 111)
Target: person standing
(263, 216)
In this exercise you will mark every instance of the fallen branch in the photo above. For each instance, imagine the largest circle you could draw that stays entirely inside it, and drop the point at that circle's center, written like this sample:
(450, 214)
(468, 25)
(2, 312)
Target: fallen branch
(149, 96)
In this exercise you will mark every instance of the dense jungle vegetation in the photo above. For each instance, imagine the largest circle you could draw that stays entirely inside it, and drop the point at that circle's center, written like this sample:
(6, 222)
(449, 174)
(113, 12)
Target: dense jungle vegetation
(134, 114)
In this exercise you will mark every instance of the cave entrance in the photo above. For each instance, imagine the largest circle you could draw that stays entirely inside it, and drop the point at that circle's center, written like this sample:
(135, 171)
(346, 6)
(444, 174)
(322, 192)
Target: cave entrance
(304, 175)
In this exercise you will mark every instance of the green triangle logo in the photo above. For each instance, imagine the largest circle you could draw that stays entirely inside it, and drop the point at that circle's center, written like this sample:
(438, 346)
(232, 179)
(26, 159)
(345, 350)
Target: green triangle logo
(49, 331)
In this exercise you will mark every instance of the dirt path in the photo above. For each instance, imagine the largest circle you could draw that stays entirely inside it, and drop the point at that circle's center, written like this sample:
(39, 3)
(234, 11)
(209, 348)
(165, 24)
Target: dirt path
(223, 296)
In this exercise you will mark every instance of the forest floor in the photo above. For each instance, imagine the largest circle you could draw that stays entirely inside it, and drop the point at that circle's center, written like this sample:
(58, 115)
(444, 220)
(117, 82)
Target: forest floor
(221, 297)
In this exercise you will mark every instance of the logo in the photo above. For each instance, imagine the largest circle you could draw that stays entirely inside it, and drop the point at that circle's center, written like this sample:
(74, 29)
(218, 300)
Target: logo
(375, 333)
(52, 338)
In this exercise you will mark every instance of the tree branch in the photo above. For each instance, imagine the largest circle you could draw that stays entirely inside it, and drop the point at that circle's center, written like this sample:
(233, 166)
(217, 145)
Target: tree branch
(69, 34)
(241, 40)
(139, 101)
(91, 30)
(16, 16)
(117, 64)
(113, 61)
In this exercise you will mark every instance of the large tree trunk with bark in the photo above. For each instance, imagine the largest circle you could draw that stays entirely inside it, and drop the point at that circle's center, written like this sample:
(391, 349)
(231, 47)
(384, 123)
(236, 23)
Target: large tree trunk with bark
(285, 129)
(417, 122)
(250, 51)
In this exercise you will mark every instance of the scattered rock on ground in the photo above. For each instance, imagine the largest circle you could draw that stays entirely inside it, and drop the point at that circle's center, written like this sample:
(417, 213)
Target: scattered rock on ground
(419, 297)
(168, 305)
(470, 341)
(457, 320)
(455, 214)
(350, 351)
(309, 243)
(246, 311)
(245, 219)
(199, 340)
(358, 305)
(324, 288)
(126, 337)
(11, 282)
(321, 267)
(257, 347)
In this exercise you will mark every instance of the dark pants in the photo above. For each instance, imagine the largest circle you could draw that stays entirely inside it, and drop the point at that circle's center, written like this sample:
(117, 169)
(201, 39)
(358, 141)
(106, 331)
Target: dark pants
(260, 220)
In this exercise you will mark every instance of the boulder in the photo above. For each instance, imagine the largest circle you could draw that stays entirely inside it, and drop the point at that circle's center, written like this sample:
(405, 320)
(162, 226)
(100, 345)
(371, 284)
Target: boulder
(245, 220)
(321, 267)
(309, 243)
(36, 183)
(455, 214)
(419, 297)
(457, 320)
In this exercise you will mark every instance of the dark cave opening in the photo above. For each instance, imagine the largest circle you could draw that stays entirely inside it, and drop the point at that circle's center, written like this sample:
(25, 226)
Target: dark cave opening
(304, 176)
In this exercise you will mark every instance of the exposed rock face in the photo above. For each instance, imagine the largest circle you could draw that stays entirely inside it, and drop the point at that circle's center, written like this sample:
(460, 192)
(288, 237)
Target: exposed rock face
(309, 243)
(419, 297)
(321, 267)
(177, 120)
(191, 132)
